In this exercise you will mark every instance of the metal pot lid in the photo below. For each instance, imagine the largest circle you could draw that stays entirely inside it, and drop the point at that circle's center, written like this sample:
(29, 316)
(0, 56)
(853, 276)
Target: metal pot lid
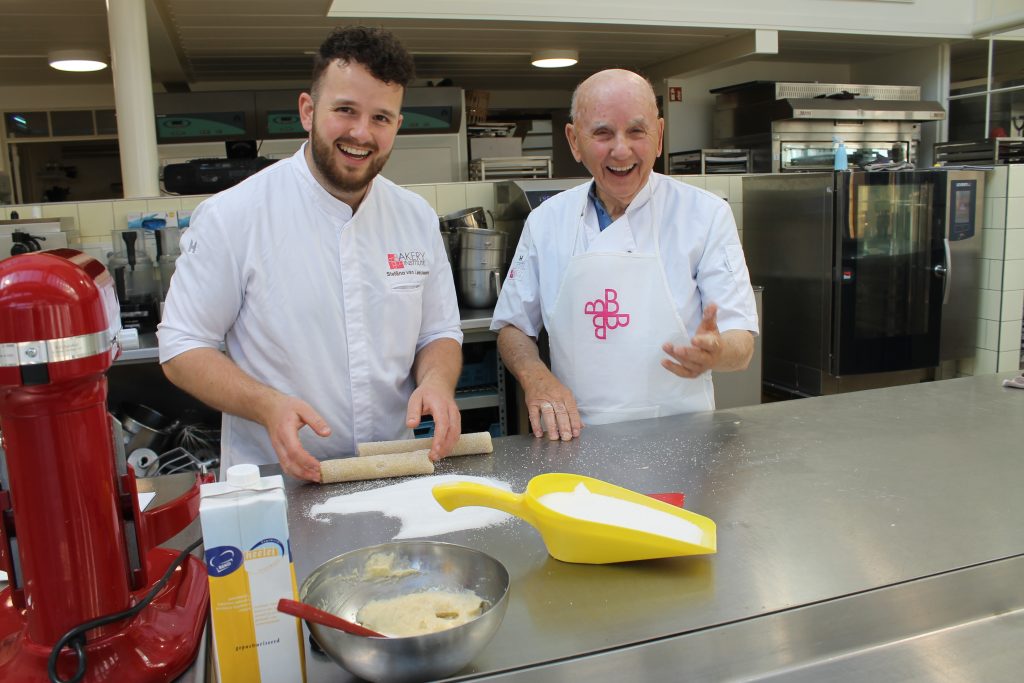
(455, 215)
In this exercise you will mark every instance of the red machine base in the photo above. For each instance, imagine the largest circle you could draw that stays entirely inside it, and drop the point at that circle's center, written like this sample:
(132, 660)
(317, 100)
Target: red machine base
(158, 644)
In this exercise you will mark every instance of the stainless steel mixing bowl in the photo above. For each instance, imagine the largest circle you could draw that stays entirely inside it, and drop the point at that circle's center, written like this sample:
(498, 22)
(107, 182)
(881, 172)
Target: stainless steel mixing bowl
(342, 585)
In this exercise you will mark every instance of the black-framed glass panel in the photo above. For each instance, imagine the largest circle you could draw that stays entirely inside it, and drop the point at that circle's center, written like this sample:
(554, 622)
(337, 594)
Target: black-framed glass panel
(889, 297)
(27, 124)
(68, 123)
(106, 122)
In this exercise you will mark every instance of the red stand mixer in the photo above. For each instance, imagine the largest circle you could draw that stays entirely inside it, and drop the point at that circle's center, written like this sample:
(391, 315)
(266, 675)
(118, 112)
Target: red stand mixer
(73, 541)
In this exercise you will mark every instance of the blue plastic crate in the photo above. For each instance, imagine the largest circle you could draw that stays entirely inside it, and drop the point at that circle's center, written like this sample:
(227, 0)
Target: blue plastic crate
(479, 369)
(425, 430)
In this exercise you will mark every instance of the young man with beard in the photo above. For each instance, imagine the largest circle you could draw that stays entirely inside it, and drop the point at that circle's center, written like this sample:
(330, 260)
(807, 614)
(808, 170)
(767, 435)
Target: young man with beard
(639, 280)
(327, 283)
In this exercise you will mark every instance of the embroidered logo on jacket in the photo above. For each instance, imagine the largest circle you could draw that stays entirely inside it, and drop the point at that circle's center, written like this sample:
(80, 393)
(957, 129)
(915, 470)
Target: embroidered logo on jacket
(407, 263)
(605, 313)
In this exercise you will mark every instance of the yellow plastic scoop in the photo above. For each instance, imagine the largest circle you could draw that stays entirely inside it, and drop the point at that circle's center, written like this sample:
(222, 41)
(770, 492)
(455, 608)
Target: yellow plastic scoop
(571, 539)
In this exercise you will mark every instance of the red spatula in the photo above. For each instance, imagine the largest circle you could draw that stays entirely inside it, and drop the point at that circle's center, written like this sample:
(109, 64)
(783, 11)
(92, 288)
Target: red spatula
(318, 616)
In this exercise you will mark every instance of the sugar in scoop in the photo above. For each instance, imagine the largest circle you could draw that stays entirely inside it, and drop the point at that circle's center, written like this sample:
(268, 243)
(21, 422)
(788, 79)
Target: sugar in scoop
(582, 504)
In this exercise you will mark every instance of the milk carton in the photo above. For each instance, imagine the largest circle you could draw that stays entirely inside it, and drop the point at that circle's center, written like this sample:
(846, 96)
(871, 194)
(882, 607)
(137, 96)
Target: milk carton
(248, 559)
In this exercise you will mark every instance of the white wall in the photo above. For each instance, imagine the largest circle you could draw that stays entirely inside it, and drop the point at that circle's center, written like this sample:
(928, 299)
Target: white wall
(529, 99)
(996, 10)
(36, 97)
(689, 121)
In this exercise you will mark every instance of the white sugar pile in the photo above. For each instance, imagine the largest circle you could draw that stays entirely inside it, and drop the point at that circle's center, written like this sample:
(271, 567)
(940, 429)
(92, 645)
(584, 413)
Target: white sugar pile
(412, 503)
(581, 503)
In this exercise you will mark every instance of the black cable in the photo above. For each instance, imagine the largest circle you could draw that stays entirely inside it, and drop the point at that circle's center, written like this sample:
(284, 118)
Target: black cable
(75, 638)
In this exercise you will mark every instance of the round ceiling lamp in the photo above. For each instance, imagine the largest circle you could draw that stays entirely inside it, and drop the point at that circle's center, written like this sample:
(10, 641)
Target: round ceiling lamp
(77, 60)
(554, 59)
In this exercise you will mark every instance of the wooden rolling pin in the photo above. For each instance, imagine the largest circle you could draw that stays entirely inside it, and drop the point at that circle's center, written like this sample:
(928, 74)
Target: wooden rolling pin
(468, 444)
(380, 459)
(376, 467)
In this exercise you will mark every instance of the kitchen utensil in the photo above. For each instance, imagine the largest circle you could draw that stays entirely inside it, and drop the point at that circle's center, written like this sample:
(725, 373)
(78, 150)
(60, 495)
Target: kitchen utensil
(376, 466)
(473, 443)
(571, 539)
(472, 259)
(481, 238)
(145, 427)
(85, 557)
(402, 458)
(449, 237)
(473, 217)
(318, 616)
(135, 281)
(480, 287)
(139, 281)
(342, 586)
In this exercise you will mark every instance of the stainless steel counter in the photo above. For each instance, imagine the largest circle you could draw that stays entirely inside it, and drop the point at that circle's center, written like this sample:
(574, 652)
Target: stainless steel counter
(871, 535)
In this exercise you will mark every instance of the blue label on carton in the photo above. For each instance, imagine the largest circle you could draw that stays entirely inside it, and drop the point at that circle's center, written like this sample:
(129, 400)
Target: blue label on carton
(223, 560)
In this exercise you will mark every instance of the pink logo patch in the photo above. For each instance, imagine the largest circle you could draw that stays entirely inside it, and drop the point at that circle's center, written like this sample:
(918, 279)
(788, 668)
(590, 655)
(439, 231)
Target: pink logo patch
(606, 314)
(395, 262)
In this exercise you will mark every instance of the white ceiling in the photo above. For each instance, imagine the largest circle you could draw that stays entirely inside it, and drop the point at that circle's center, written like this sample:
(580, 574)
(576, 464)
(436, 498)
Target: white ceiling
(199, 44)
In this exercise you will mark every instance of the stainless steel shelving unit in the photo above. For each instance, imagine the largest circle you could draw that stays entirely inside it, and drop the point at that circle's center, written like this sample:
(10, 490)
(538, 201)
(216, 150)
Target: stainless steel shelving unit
(476, 329)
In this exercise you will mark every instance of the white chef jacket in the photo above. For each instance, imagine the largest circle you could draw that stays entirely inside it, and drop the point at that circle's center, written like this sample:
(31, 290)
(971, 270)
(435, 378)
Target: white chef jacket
(313, 301)
(699, 247)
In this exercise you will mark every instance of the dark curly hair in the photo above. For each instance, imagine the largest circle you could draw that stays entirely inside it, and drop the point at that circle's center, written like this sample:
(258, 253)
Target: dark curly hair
(374, 48)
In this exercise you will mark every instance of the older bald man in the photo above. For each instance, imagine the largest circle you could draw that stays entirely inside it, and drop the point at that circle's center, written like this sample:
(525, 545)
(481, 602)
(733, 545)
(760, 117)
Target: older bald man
(639, 279)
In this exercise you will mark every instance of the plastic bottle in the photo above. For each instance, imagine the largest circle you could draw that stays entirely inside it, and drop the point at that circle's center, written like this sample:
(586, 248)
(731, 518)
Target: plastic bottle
(840, 147)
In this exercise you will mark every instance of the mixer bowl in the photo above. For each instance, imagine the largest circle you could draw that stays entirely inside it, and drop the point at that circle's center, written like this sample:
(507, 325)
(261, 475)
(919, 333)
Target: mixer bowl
(344, 584)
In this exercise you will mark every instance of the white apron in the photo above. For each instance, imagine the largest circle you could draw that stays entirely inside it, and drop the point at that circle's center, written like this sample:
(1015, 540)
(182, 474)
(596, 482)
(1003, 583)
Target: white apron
(612, 314)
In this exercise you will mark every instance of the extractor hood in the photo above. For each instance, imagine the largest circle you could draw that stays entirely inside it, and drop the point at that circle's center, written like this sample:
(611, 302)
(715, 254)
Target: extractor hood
(859, 110)
(830, 101)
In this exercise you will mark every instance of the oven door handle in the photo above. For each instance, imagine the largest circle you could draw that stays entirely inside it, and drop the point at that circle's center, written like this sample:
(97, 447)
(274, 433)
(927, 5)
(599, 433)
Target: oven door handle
(945, 271)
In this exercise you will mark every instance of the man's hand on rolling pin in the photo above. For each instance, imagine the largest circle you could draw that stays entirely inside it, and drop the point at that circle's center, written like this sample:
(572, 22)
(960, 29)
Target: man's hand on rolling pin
(438, 402)
(551, 404)
(286, 417)
(703, 352)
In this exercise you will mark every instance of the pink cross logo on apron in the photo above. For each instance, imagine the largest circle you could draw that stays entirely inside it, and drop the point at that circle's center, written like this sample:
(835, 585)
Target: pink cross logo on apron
(606, 314)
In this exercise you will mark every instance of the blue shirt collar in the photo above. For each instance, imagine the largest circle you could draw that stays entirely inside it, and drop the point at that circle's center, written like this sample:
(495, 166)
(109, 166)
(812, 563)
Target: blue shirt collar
(604, 219)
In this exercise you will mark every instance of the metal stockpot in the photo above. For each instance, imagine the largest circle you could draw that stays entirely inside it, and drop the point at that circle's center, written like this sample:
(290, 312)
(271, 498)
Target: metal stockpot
(451, 243)
(480, 287)
(481, 238)
(472, 259)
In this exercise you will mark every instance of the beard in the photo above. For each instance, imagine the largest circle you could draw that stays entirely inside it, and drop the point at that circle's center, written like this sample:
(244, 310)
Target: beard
(343, 180)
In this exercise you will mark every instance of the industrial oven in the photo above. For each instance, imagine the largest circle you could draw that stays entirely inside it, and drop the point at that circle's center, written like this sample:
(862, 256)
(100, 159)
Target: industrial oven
(872, 277)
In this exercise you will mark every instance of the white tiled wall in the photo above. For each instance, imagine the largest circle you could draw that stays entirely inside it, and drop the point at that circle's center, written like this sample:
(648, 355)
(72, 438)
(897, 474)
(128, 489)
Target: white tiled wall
(1001, 303)
(96, 220)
